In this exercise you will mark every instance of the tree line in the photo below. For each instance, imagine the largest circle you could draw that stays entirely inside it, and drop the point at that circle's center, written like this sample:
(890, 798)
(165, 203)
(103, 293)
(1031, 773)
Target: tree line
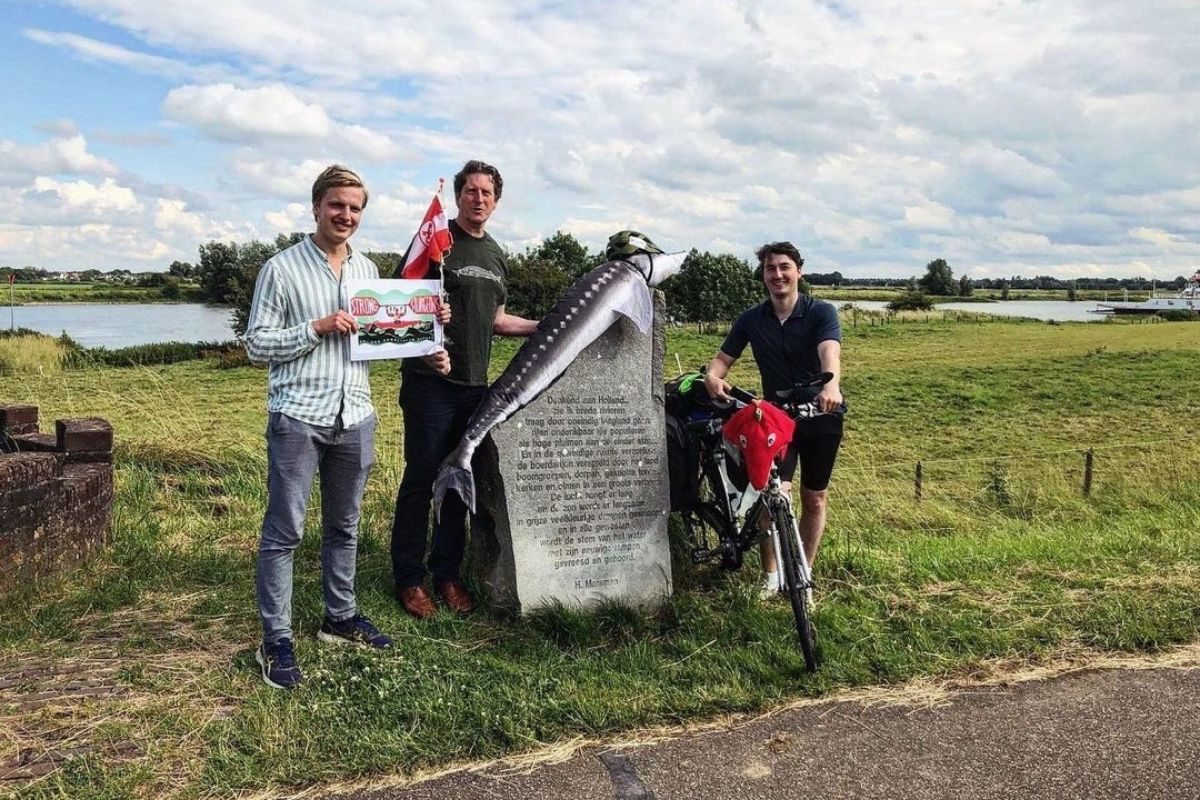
(709, 287)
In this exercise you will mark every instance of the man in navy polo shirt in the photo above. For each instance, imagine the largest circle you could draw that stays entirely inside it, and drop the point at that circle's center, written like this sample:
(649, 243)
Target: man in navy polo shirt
(793, 338)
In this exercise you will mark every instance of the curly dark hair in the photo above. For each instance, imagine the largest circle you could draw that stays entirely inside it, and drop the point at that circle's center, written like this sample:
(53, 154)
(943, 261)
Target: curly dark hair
(783, 248)
(482, 168)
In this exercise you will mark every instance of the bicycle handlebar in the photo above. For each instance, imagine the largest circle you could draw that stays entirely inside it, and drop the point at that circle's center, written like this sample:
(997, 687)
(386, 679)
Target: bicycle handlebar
(797, 409)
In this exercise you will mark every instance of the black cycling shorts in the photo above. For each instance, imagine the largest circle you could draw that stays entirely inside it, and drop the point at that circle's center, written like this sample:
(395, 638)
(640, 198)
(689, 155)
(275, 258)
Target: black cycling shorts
(815, 445)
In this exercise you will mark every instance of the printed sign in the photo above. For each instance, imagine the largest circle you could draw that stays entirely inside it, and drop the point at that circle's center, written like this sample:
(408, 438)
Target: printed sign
(396, 318)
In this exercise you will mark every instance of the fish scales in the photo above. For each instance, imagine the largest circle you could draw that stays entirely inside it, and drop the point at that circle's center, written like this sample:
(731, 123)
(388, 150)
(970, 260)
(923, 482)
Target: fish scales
(586, 310)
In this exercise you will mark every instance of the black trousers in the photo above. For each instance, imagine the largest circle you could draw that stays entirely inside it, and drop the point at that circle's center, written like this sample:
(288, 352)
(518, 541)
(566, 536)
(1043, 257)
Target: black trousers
(436, 413)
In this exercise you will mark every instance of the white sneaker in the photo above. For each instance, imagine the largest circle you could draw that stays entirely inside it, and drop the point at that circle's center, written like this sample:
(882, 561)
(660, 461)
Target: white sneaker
(770, 586)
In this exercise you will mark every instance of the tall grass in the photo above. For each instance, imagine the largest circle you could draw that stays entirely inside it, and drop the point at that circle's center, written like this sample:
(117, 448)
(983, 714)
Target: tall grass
(31, 353)
(1003, 561)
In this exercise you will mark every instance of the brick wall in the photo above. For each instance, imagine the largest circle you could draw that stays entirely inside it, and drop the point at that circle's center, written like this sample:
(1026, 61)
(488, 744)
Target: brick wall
(56, 494)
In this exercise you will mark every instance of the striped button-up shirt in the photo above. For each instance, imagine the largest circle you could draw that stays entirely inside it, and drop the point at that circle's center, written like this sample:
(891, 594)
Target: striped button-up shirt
(310, 378)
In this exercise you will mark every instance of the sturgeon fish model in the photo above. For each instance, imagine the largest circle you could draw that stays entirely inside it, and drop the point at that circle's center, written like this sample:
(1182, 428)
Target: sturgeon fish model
(588, 308)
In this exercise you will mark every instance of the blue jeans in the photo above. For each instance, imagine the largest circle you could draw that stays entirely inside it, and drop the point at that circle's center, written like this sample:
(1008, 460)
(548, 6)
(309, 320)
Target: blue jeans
(295, 452)
(436, 413)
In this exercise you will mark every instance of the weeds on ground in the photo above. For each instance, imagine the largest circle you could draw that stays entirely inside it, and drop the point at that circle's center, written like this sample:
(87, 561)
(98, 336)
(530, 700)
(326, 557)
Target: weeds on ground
(1003, 560)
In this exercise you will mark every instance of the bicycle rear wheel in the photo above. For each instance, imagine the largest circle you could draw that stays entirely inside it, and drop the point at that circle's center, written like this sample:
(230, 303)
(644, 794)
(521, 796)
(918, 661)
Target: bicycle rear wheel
(796, 579)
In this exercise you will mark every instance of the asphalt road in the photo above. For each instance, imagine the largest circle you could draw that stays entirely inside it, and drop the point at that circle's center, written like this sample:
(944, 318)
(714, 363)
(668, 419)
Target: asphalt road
(1126, 734)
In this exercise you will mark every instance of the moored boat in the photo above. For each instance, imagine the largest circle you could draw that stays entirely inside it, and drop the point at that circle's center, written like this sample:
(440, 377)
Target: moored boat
(1188, 299)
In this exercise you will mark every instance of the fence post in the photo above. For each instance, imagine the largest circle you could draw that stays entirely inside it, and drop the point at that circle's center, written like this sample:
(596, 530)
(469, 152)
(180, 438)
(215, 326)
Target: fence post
(917, 483)
(1088, 460)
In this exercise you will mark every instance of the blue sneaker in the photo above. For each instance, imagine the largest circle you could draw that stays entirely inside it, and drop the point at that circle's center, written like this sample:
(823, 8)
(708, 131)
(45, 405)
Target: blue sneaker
(357, 630)
(278, 663)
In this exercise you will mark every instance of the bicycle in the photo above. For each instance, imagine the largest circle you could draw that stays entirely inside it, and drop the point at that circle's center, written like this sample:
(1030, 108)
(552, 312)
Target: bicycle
(726, 496)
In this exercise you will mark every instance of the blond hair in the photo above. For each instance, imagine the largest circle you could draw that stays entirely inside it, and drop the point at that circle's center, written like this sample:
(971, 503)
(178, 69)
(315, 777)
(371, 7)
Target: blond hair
(334, 176)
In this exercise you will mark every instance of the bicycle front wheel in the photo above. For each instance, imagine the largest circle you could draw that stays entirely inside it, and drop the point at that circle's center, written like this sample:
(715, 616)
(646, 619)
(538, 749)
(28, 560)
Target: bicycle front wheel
(796, 578)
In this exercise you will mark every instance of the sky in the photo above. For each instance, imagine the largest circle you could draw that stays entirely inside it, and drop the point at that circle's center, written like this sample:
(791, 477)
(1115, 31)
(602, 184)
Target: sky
(1008, 137)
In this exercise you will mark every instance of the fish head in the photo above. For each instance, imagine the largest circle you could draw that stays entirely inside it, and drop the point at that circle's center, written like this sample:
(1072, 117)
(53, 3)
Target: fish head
(657, 267)
(760, 432)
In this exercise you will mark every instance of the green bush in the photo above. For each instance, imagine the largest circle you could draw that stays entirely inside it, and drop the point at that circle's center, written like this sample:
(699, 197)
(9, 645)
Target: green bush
(1179, 315)
(145, 354)
(911, 301)
(7, 333)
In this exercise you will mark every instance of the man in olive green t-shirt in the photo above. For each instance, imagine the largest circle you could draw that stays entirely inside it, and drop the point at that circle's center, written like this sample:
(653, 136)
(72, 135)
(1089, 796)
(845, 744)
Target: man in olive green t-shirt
(438, 394)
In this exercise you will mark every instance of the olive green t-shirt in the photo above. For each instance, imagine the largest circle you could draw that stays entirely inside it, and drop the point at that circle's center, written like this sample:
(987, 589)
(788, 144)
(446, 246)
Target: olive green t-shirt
(475, 276)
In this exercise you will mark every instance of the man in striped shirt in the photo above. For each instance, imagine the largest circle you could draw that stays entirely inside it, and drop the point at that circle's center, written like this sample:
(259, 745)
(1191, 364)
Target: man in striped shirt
(320, 419)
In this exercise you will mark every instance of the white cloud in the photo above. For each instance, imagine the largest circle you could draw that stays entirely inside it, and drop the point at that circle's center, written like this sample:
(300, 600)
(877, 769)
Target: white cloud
(58, 156)
(228, 113)
(59, 224)
(1158, 237)
(94, 49)
(294, 217)
(75, 201)
(173, 216)
(1019, 242)
(566, 169)
(931, 216)
(275, 177)
(1014, 135)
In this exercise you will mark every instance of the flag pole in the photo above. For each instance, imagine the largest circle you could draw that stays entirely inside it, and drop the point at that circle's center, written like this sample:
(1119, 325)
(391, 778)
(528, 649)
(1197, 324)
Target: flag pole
(442, 263)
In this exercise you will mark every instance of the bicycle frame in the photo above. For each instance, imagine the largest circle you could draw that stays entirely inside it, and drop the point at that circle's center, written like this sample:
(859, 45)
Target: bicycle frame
(725, 507)
(770, 498)
(734, 504)
(739, 505)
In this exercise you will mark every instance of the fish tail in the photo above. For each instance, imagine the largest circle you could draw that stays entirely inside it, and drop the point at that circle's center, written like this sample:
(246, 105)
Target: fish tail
(454, 476)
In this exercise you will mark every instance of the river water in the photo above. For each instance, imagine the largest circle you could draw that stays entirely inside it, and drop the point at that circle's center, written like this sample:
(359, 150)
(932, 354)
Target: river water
(1057, 310)
(124, 324)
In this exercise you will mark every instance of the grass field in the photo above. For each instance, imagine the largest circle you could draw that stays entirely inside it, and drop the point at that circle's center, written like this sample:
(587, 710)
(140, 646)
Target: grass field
(1003, 563)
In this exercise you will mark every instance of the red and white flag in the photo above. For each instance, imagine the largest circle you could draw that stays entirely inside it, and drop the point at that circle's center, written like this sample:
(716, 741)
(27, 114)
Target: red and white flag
(430, 244)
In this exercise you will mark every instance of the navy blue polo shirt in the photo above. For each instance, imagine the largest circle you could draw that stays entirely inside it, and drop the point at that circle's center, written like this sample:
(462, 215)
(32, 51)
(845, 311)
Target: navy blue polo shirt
(786, 352)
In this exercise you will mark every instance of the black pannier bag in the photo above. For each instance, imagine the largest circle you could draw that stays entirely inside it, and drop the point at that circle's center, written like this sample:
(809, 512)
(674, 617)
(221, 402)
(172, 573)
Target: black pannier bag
(685, 399)
(683, 464)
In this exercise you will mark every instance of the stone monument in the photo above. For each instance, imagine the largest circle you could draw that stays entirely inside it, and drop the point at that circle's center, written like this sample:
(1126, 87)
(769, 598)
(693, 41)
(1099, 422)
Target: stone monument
(573, 489)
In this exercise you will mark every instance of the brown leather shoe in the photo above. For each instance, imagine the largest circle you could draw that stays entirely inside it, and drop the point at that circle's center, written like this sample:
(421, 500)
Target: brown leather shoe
(416, 601)
(457, 598)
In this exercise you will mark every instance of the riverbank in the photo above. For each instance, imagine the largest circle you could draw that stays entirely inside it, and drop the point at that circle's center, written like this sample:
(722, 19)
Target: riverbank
(1002, 560)
(33, 294)
(39, 293)
(849, 294)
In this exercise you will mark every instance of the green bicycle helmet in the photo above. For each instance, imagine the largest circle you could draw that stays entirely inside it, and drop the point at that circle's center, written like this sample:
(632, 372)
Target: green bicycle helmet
(623, 244)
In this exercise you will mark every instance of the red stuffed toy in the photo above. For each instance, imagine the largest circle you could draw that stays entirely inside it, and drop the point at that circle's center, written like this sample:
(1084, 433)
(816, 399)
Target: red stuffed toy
(760, 431)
